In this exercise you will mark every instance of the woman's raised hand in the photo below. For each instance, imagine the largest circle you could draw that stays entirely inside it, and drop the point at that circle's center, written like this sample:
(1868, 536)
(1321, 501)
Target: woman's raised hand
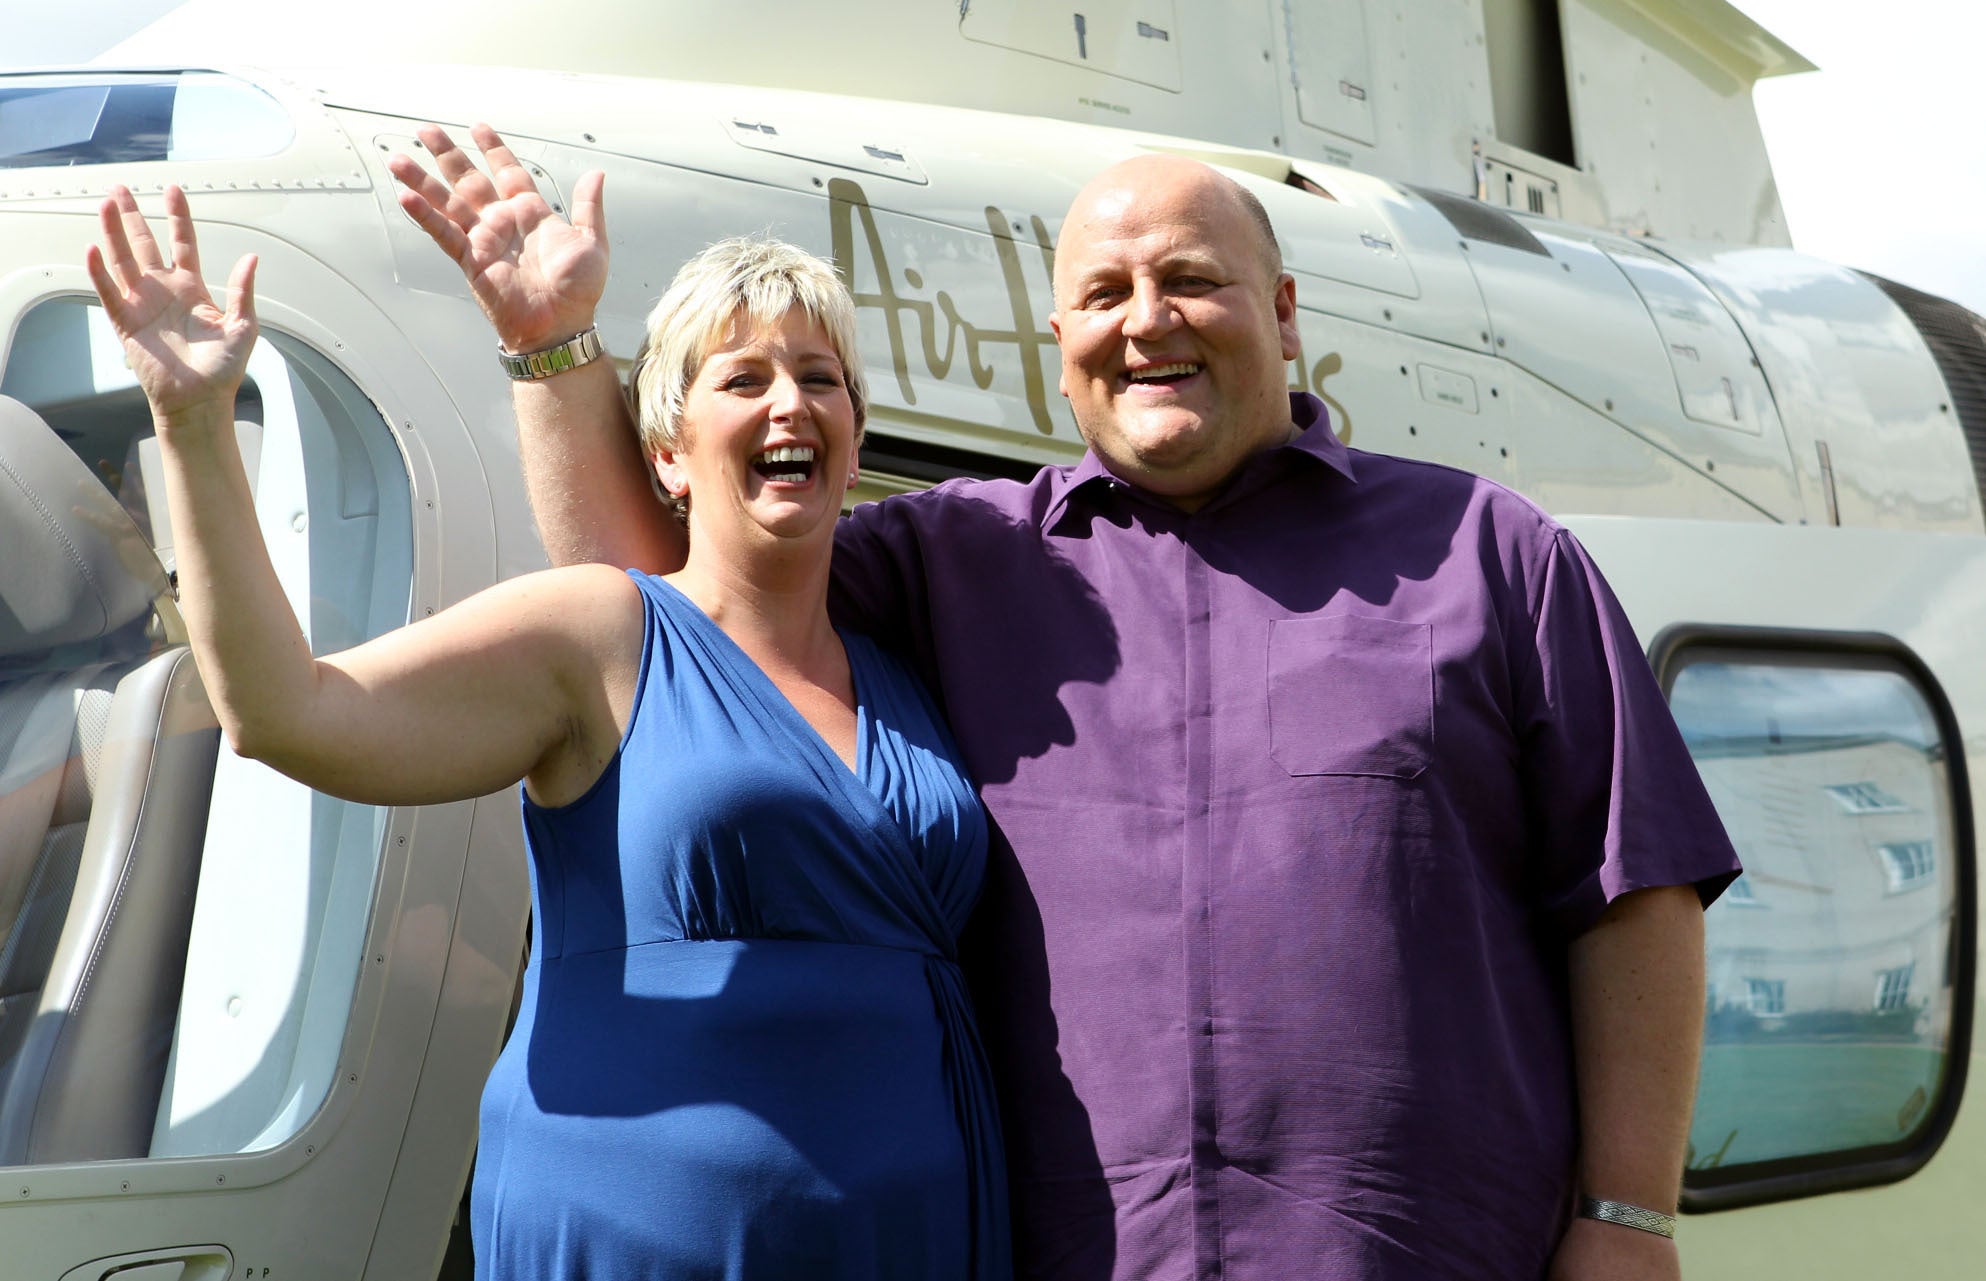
(188, 354)
(537, 277)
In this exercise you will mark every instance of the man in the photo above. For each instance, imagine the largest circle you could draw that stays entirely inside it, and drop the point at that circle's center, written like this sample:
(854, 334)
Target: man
(1348, 917)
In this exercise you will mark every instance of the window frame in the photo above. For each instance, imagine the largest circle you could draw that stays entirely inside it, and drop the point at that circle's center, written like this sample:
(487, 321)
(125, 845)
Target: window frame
(1864, 797)
(1901, 856)
(339, 388)
(1812, 1174)
(1889, 994)
(1773, 992)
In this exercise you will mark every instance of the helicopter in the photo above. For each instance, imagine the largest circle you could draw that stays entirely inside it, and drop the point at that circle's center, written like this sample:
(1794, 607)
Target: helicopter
(243, 1026)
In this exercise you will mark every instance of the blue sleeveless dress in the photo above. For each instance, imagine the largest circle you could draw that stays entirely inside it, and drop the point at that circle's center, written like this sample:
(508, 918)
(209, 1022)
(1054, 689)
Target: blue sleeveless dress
(744, 1048)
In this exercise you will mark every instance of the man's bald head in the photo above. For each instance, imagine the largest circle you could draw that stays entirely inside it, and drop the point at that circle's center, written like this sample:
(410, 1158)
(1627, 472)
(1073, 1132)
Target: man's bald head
(1158, 176)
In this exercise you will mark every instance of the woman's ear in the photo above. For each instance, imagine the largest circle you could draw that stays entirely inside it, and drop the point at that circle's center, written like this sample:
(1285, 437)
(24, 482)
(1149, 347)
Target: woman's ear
(671, 472)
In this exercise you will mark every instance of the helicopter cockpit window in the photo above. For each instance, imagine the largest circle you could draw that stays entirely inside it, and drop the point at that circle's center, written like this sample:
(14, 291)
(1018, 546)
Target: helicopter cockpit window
(218, 910)
(58, 120)
(1839, 995)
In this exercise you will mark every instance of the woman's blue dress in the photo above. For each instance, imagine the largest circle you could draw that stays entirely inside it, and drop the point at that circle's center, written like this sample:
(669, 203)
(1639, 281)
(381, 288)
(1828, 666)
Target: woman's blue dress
(744, 1048)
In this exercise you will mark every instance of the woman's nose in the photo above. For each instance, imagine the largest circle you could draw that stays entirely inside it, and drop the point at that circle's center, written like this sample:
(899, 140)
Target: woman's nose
(787, 399)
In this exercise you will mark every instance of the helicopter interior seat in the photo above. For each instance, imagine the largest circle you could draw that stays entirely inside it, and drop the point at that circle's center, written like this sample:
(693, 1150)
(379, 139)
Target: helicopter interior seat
(107, 750)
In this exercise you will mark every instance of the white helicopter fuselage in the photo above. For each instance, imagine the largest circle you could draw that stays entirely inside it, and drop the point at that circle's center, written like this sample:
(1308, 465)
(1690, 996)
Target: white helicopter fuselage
(1768, 455)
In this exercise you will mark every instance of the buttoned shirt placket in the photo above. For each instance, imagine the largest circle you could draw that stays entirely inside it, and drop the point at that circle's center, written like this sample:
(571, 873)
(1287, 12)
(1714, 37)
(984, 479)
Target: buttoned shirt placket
(1197, 899)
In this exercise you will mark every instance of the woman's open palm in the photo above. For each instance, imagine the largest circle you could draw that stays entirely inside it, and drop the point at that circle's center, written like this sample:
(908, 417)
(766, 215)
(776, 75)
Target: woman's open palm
(186, 351)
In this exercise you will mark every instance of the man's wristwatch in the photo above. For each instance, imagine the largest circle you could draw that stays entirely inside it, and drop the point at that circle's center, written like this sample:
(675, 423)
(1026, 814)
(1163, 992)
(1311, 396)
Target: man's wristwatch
(583, 348)
(1628, 1216)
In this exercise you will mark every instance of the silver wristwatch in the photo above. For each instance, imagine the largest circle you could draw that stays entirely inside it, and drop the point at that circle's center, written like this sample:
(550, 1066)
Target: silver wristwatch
(1628, 1216)
(583, 348)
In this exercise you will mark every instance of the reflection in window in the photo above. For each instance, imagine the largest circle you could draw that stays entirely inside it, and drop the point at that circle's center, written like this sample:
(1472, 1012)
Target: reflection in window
(1825, 1036)
(1908, 864)
(1864, 798)
(247, 1028)
(96, 119)
(1765, 998)
(1893, 987)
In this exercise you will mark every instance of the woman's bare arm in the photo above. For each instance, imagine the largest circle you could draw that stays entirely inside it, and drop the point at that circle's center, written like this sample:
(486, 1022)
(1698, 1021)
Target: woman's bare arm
(539, 278)
(530, 679)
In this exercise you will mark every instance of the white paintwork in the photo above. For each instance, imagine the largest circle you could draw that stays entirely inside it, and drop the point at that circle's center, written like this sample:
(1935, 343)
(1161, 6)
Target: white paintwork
(1403, 88)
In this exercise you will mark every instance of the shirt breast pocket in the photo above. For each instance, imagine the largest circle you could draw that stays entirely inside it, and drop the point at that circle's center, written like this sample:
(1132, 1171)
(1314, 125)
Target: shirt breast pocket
(1351, 696)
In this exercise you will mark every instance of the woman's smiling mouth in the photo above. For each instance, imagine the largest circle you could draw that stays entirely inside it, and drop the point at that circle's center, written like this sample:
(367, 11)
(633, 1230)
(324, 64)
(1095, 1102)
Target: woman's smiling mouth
(786, 464)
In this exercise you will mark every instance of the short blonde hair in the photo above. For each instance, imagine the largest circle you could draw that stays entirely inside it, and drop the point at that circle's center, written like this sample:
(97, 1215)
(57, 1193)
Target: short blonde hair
(754, 279)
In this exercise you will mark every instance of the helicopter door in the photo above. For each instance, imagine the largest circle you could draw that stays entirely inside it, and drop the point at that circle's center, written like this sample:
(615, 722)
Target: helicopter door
(217, 987)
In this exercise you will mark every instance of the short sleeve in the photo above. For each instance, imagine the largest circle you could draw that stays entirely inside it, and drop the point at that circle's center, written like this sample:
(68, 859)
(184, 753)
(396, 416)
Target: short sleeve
(1615, 800)
(879, 586)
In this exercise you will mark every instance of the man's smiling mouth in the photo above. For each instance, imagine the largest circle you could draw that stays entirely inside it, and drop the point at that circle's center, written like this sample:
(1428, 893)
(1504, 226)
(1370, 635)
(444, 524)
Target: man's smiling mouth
(1162, 375)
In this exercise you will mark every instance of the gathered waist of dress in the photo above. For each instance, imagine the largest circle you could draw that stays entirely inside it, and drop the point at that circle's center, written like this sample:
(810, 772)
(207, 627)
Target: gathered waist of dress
(743, 982)
(720, 944)
(754, 1024)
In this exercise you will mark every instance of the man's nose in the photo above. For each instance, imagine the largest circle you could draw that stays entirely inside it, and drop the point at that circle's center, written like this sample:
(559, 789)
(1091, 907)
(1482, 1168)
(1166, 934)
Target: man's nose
(1149, 311)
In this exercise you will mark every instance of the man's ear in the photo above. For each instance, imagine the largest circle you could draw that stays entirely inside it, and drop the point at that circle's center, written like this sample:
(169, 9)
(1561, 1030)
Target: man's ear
(1055, 327)
(1286, 316)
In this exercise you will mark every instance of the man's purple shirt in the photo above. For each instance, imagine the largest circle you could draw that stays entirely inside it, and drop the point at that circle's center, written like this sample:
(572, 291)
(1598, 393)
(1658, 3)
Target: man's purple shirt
(1298, 801)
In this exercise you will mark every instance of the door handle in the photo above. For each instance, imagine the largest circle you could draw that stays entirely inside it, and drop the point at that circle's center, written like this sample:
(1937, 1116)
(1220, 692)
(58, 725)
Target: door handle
(186, 1263)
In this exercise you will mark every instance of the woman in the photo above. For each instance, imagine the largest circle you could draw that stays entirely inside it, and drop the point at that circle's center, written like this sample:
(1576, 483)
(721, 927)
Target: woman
(744, 1049)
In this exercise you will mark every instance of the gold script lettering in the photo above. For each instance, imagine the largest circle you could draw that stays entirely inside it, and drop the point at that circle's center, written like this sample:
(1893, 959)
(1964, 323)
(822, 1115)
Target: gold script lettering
(848, 209)
(1305, 376)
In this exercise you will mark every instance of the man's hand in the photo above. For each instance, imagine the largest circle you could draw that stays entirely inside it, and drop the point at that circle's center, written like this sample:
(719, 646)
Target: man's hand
(1595, 1251)
(537, 277)
(539, 280)
(188, 354)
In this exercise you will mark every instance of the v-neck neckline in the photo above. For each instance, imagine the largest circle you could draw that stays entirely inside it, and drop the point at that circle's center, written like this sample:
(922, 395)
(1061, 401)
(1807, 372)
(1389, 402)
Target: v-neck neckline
(776, 698)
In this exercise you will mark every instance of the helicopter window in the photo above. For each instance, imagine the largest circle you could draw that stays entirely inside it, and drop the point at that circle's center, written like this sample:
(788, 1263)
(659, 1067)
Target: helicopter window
(248, 987)
(1837, 1029)
(55, 120)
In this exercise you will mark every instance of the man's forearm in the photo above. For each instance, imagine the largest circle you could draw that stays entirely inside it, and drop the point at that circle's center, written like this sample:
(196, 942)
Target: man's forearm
(1637, 1024)
(587, 480)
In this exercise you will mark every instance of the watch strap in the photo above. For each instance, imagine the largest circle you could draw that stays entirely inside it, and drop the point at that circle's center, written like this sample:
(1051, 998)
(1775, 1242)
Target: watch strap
(1628, 1216)
(583, 348)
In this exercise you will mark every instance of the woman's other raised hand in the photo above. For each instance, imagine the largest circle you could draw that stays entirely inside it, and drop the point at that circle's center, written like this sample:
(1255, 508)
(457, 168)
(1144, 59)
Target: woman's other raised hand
(537, 276)
(188, 354)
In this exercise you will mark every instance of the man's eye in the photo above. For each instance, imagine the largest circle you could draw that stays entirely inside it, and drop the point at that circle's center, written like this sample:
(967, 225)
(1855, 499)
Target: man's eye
(1108, 296)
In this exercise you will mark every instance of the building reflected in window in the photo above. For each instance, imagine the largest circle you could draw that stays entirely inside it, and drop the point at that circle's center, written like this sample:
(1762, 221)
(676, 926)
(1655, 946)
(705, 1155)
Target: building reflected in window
(1829, 1020)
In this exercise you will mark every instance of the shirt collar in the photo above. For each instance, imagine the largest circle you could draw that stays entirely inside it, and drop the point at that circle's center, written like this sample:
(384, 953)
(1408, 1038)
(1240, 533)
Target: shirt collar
(1314, 439)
